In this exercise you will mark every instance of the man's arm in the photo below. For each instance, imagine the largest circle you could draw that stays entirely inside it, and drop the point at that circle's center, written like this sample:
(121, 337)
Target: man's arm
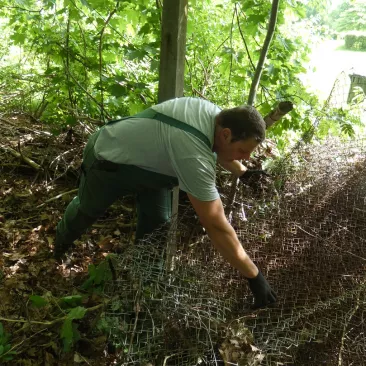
(223, 236)
(235, 167)
(226, 242)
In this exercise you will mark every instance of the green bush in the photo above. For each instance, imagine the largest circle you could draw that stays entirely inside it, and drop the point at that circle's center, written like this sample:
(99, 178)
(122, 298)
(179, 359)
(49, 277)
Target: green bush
(355, 42)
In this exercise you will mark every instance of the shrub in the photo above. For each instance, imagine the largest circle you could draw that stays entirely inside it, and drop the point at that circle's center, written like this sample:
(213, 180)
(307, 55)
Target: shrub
(355, 41)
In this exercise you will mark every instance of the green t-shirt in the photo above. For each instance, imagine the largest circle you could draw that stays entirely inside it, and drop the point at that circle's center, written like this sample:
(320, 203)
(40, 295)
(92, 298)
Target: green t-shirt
(158, 147)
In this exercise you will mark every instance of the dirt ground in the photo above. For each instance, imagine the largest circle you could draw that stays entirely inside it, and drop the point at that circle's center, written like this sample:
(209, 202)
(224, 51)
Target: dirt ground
(38, 173)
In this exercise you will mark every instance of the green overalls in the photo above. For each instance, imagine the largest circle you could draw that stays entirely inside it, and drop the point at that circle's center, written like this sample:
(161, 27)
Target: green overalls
(103, 182)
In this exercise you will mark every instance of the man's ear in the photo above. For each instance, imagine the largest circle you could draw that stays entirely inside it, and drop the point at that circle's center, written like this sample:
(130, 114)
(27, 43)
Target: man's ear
(227, 133)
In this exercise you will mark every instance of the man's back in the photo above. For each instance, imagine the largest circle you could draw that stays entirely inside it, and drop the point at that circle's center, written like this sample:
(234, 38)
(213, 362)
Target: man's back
(158, 147)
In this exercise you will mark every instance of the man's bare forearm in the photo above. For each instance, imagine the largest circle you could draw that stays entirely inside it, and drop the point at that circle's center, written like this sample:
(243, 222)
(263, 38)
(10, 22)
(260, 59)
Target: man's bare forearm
(227, 243)
(235, 167)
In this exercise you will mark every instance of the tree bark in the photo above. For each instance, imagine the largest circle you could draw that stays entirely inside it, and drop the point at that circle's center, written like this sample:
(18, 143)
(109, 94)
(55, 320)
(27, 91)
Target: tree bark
(171, 85)
(273, 116)
(263, 55)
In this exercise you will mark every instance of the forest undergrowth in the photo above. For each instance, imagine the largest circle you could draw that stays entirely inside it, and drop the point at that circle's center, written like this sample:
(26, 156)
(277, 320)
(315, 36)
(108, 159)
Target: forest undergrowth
(49, 312)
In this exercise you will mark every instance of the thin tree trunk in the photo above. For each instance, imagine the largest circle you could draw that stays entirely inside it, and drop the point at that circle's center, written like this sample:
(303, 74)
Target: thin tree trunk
(263, 55)
(100, 52)
(171, 84)
(254, 88)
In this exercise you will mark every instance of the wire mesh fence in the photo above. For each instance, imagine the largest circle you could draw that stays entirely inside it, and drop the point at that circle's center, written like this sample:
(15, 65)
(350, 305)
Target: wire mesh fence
(305, 229)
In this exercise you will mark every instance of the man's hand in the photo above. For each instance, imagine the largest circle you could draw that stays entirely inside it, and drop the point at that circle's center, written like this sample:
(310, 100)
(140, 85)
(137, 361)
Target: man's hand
(253, 176)
(258, 180)
(262, 292)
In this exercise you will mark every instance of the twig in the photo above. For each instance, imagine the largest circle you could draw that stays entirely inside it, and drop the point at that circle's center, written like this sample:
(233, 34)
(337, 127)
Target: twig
(166, 358)
(87, 93)
(57, 197)
(24, 9)
(100, 51)
(244, 41)
(351, 314)
(47, 323)
(30, 162)
(132, 224)
(7, 121)
(314, 236)
(137, 311)
(231, 54)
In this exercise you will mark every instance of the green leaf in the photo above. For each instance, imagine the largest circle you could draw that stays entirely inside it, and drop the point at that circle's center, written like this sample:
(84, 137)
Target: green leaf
(117, 90)
(88, 283)
(1, 349)
(75, 333)
(9, 356)
(103, 273)
(76, 313)
(38, 301)
(71, 120)
(145, 29)
(72, 301)
(67, 334)
(1, 330)
(7, 348)
(18, 38)
(92, 270)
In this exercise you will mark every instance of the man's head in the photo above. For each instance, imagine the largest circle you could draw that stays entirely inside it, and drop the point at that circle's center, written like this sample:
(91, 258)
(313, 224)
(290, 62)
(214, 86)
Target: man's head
(238, 132)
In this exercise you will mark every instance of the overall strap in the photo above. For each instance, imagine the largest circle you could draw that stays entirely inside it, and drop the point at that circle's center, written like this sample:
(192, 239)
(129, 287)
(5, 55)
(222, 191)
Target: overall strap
(152, 114)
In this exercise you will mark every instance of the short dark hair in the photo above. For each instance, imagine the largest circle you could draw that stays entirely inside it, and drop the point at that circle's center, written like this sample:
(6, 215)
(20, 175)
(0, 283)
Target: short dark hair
(245, 122)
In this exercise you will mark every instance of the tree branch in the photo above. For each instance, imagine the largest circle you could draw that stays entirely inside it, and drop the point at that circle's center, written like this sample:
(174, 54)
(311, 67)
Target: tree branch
(263, 55)
(256, 80)
(100, 49)
(282, 109)
(242, 37)
(30, 162)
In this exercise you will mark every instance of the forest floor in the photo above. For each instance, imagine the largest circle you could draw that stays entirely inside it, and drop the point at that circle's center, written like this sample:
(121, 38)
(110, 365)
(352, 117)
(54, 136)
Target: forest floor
(47, 316)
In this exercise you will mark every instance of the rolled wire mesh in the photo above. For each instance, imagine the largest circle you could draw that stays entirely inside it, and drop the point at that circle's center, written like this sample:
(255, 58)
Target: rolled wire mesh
(306, 231)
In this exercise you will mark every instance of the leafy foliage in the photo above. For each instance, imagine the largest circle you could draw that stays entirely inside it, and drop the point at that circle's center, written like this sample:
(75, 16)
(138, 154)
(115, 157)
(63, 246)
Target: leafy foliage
(350, 15)
(69, 330)
(6, 352)
(99, 275)
(38, 301)
(355, 42)
(72, 305)
(74, 60)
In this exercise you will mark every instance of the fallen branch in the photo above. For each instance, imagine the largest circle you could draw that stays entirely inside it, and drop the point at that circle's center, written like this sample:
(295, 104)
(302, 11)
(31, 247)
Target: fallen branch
(57, 197)
(132, 224)
(30, 162)
(47, 323)
(7, 121)
(275, 115)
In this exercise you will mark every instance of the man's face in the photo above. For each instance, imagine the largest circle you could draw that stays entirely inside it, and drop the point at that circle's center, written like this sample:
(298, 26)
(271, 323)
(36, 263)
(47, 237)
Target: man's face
(239, 150)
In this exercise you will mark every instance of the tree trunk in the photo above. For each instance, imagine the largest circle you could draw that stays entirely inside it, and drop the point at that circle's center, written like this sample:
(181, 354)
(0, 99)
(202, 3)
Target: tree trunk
(277, 113)
(263, 55)
(171, 84)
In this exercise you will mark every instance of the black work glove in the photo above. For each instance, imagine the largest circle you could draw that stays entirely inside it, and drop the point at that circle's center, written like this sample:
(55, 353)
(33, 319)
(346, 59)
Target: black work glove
(262, 292)
(256, 179)
(253, 176)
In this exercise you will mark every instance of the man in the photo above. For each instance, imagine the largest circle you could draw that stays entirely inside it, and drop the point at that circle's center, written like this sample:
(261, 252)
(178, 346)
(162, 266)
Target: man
(175, 142)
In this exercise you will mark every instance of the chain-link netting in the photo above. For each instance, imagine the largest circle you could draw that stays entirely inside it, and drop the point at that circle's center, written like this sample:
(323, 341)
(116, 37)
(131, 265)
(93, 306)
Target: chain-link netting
(306, 231)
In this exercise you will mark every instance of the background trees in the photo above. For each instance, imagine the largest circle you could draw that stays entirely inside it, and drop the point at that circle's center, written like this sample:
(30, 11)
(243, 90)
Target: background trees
(350, 15)
(71, 61)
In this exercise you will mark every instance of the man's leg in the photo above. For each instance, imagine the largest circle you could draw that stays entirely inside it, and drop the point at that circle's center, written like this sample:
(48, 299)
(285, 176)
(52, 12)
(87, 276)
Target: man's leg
(95, 195)
(153, 210)
(98, 189)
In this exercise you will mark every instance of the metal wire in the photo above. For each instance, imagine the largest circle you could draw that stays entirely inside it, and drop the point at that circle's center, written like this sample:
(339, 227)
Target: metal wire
(306, 231)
